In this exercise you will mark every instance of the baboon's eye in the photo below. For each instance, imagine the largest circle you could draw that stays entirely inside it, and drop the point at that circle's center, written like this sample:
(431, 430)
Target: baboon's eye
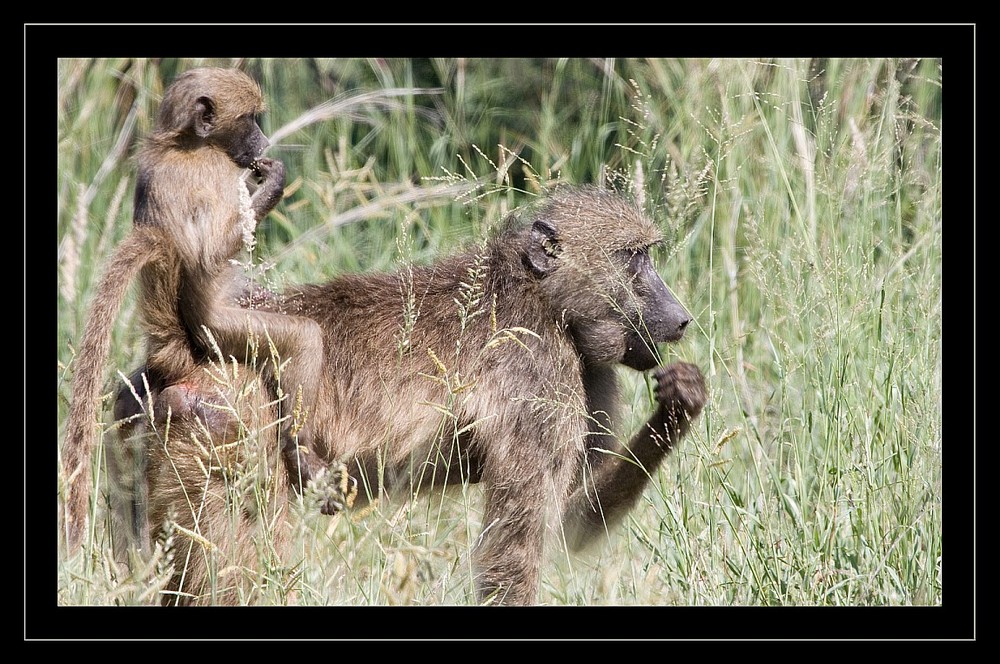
(637, 260)
(627, 255)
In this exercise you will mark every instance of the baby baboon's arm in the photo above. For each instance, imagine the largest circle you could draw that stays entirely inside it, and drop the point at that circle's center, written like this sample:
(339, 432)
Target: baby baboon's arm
(271, 187)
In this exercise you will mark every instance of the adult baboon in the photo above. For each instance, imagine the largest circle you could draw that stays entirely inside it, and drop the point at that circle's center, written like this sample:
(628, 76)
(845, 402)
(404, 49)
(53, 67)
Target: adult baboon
(501, 372)
(192, 214)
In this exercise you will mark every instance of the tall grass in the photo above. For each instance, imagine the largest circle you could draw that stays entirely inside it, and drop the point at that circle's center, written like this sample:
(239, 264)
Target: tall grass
(801, 202)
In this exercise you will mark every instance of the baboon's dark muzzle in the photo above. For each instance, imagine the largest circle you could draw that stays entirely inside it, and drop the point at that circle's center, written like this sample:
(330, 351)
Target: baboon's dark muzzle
(665, 318)
(661, 319)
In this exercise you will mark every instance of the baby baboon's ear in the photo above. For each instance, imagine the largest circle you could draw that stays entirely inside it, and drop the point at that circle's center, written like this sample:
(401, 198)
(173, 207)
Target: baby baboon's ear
(543, 248)
(203, 117)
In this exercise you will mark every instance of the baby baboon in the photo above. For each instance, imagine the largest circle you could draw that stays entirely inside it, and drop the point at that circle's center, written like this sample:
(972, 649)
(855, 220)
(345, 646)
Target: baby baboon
(192, 214)
(503, 373)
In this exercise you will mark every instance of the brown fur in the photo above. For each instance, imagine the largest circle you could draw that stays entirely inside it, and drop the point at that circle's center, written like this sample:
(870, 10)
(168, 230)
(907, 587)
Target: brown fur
(189, 222)
(526, 377)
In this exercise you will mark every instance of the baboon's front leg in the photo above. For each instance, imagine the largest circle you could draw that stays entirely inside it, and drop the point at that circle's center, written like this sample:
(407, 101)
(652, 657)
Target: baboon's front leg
(616, 480)
(508, 554)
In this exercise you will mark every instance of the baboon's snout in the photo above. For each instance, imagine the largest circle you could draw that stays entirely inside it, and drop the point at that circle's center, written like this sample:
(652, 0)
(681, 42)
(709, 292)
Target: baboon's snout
(672, 325)
(666, 318)
(679, 327)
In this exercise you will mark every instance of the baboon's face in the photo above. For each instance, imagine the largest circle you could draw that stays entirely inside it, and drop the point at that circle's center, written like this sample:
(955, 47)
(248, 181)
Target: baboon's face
(596, 272)
(218, 107)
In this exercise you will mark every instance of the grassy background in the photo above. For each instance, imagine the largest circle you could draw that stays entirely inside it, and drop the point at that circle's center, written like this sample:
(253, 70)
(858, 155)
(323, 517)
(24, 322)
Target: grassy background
(801, 202)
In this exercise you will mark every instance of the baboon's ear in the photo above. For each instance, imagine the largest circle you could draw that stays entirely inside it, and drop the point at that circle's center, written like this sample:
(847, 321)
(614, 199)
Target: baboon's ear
(204, 116)
(543, 248)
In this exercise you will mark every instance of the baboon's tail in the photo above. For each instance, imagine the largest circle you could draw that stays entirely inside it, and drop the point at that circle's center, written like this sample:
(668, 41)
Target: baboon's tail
(139, 248)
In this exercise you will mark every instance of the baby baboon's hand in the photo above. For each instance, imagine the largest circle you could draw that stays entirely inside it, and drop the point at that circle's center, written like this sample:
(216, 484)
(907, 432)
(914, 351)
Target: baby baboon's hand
(680, 389)
(266, 168)
(334, 488)
(271, 173)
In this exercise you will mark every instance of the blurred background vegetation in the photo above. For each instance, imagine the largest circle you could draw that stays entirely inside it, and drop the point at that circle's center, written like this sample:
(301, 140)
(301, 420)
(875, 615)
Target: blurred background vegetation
(801, 203)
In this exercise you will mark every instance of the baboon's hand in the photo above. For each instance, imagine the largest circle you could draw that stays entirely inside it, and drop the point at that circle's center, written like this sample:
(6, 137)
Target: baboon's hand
(266, 168)
(333, 488)
(680, 389)
(272, 185)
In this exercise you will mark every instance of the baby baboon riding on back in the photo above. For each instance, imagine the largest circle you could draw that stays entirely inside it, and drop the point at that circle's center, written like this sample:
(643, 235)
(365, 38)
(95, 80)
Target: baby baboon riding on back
(193, 212)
